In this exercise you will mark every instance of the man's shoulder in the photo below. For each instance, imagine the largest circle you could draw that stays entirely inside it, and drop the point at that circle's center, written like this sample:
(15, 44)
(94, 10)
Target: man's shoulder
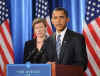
(74, 34)
(52, 36)
(51, 39)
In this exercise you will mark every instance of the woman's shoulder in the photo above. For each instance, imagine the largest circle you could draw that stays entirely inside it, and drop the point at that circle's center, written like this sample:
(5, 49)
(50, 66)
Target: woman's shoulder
(30, 42)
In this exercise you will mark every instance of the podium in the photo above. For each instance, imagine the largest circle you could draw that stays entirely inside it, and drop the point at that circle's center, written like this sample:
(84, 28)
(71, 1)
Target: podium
(66, 70)
(43, 70)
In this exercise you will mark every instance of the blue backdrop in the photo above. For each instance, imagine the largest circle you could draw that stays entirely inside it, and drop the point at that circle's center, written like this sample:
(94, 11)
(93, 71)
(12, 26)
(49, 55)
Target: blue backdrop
(21, 20)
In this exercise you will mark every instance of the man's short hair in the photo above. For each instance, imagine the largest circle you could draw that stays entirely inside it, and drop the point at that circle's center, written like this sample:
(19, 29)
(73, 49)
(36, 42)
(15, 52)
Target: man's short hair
(61, 9)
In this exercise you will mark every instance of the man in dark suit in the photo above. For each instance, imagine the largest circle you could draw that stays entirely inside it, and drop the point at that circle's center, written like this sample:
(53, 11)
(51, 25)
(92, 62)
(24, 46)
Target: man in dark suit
(72, 50)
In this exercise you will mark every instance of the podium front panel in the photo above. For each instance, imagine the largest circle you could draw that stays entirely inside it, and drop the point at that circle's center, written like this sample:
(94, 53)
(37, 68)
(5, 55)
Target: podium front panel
(28, 70)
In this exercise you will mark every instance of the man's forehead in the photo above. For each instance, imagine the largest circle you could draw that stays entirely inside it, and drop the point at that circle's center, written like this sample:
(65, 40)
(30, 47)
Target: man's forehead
(58, 13)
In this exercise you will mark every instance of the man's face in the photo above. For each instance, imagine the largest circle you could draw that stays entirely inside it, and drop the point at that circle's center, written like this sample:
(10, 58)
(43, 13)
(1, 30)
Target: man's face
(59, 20)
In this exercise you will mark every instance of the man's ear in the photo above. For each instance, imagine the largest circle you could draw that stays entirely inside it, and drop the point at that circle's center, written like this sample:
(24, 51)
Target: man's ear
(67, 19)
(52, 20)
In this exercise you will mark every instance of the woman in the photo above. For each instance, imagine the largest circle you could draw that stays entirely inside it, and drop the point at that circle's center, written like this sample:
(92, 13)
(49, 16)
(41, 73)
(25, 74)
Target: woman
(35, 50)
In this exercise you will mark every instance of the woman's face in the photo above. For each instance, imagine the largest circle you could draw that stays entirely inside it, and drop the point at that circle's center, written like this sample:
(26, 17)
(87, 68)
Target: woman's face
(40, 30)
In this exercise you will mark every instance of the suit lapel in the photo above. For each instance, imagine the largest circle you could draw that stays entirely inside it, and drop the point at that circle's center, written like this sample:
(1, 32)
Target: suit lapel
(66, 37)
(65, 42)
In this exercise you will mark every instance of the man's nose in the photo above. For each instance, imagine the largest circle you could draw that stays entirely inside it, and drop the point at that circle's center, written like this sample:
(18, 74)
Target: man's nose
(58, 20)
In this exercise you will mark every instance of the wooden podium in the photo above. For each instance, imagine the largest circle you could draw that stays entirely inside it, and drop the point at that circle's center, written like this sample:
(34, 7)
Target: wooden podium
(43, 70)
(66, 70)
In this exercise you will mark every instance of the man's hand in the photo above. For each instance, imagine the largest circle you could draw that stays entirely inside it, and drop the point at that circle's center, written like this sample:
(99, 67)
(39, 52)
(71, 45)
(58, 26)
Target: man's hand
(51, 62)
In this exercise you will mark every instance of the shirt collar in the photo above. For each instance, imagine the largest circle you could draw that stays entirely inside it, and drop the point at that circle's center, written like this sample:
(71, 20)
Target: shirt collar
(62, 34)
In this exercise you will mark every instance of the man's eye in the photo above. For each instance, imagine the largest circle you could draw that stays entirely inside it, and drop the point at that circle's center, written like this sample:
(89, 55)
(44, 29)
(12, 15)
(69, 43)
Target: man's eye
(61, 16)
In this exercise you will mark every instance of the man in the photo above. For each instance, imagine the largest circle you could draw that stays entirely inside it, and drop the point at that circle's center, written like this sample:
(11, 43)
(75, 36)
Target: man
(72, 49)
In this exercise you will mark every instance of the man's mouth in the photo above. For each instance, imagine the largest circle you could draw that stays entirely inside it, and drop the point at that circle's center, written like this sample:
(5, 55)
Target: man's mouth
(59, 24)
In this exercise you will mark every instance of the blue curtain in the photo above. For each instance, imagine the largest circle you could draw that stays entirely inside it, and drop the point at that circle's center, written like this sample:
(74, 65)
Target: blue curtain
(21, 26)
(21, 20)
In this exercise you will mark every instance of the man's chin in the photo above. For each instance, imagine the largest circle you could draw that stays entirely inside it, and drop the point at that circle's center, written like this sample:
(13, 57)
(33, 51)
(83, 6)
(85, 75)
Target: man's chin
(60, 29)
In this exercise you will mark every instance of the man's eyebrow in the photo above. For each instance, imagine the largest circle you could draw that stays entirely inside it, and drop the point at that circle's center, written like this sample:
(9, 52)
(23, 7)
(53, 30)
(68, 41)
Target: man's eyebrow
(61, 16)
(58, 16)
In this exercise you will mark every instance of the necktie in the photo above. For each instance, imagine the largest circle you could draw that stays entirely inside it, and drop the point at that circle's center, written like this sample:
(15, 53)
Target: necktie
(58, 45)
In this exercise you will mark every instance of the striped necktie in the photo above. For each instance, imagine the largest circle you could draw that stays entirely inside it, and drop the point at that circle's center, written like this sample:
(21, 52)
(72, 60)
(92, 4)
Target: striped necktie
(58, 45)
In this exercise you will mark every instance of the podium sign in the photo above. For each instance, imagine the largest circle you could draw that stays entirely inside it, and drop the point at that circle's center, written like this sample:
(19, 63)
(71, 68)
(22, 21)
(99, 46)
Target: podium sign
(28, 70)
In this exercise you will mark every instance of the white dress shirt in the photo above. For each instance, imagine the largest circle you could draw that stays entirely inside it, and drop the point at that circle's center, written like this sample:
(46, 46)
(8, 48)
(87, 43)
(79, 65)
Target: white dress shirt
(62, 34)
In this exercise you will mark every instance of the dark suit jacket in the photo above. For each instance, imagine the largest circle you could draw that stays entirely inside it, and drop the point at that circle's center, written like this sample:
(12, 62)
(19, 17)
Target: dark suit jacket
(31, 54)
(73, 50)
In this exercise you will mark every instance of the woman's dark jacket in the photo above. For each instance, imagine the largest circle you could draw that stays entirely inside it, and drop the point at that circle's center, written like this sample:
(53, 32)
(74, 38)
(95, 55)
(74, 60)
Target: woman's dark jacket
(31, 53)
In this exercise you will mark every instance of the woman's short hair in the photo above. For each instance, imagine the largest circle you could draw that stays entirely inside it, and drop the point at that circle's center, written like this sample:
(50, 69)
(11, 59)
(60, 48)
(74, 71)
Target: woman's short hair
(39, 20)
